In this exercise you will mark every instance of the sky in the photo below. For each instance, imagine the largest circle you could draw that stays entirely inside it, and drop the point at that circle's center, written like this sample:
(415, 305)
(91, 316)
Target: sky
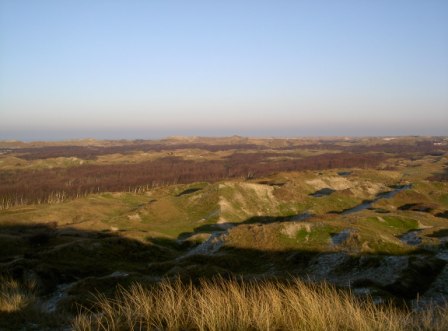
(155, 68)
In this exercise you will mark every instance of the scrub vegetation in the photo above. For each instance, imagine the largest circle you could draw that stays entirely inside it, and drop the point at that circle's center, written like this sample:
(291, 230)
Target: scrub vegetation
(224, 234)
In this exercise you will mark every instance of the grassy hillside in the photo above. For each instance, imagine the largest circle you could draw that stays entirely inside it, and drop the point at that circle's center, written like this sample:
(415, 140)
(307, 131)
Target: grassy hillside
(378, 232)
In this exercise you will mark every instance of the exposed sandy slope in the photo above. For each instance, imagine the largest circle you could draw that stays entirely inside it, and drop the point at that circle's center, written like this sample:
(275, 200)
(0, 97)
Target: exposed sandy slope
(291, 229)
(359, 188)
(246, 199)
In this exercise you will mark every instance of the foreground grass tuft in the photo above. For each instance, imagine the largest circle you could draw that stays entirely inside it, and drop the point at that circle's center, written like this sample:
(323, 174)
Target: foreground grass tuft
(231, 305)
(14, 296)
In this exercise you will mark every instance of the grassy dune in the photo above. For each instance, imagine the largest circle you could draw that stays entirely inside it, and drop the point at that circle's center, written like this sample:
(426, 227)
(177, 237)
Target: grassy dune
(63, 252)
(265, 305)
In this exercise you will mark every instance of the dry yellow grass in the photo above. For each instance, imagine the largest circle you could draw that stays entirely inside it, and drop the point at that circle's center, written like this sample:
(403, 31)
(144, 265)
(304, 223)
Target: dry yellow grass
(14, 296)
(231, 305)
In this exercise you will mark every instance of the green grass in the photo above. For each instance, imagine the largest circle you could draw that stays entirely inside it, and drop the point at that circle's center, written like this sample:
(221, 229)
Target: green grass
(291, 208)
(396, 224)
(162, 212)
(335, 202)
(316, 237)
(385, 247)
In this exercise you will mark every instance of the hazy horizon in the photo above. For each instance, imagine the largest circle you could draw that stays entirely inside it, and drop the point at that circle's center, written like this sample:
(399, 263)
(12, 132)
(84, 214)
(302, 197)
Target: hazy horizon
(147, 70)
(26, 138)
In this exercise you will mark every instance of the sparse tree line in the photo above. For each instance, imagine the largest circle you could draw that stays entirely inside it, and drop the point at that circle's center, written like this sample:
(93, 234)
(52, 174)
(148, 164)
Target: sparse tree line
(91, 152)
(59, 184)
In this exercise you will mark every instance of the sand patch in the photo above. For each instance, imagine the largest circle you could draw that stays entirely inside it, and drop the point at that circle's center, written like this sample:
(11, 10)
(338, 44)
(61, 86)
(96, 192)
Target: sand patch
(135, 217)
(291, 229)
(335, 183)
(363, 189)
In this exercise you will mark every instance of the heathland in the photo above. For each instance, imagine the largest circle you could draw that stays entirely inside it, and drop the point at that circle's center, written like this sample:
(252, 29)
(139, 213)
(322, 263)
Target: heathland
(225, 234)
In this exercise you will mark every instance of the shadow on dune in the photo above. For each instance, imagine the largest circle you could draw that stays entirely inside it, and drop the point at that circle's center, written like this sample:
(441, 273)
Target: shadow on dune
(67, 264)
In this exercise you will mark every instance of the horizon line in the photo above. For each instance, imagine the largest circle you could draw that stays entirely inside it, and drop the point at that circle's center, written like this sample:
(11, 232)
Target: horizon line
(179, 137)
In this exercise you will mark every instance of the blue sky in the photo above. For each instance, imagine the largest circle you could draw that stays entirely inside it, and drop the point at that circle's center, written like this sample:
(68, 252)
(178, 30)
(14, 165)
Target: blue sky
(148, 69)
